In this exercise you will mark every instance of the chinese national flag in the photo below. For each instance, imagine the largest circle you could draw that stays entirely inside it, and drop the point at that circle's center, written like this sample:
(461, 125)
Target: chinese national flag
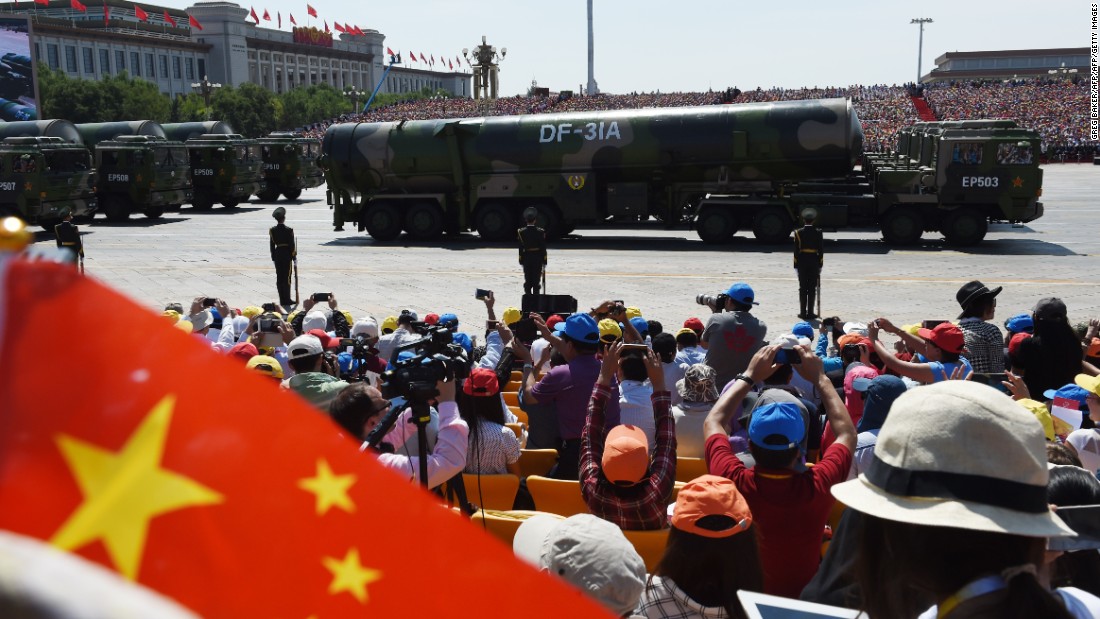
(168, 18)
(359, 32)
(140, 14)
(77, 5)
(422, 58)
(106, 14)
(194, 22)
(181, 470)
(338, 27)
(412, 56)
(326, 26)
(292, 19)
(389, 52)
(255, 17)
(312, 11)
(450, 65)
(267, 16)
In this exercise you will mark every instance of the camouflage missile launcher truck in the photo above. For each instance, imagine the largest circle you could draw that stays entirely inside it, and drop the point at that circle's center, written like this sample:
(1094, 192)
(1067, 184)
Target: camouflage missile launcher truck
(719, 168)
(225, 168)
(41, 176)
(138, 170)
(290, 165)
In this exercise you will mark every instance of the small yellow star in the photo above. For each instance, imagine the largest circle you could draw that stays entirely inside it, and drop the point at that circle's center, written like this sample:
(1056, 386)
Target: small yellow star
(350, 575)
(124, 490)
(331, 489)
(1017, 182)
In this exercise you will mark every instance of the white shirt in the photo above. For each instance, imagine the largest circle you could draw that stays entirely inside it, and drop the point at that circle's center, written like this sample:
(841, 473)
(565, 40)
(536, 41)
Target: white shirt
(689, 418)
(673, 373)
(636, 408)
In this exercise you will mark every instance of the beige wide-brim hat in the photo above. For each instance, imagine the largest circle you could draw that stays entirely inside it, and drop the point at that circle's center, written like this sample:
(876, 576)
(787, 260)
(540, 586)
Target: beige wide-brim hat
(958, 454)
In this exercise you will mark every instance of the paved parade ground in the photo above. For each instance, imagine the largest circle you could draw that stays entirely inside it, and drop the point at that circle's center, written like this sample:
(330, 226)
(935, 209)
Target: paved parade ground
(224, 253)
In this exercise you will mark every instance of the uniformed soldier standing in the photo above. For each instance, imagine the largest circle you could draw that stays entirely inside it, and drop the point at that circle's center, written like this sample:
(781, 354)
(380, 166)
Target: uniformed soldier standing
(284, 250)
(809, 256)
(532, 251)
(68, 237)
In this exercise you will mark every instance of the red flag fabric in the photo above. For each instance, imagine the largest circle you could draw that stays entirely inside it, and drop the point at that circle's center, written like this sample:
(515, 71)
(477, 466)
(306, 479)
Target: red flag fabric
(138, 12)
(432, 59)
(254, 15)
(359, 31)
(236, 499)
(422, 58)
(194, 22)
(412, 56)
(450, 65)
(168, 18)
(338, 27)
(106, 14)
(77, 5)
(267, 16)
(312, 11)
(280, 16)
(292, 19)
(390, 52)
(326, 26)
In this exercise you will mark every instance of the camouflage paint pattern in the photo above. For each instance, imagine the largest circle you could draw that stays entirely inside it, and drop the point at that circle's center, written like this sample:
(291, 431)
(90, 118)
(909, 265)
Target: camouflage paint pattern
(290, 163)
(224, 168)
(143, 173)
(41, 176)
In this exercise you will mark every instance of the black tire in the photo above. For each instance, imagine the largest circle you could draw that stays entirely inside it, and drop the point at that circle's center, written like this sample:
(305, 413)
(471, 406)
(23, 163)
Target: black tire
(716, 225)
(383, 221)
(292, 194)
(549, 220)
(154, 212)
(902, 226)
(230, 203)
(268, 195)
(495, 222)
(202, 202)
(424, 221)
(116, 208)
(772, 226)
(964, 227)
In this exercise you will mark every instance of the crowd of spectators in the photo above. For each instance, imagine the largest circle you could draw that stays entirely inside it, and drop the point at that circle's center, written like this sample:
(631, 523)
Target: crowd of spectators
(937, 440)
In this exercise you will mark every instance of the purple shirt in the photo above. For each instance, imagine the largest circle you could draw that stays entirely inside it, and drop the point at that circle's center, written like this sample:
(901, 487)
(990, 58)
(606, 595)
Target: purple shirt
(569, 387)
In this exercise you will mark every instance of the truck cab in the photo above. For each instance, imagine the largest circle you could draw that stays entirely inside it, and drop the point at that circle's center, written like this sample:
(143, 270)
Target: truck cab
(141, 172)
(290, 165)
(225, 168)
(41, 176)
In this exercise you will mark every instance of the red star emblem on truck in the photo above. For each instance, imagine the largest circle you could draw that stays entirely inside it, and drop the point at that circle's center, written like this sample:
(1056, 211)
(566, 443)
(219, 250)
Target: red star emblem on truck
(1017, 182)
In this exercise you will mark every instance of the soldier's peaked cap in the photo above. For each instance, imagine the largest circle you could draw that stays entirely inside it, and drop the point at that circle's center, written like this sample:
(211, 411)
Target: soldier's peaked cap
(279, 213)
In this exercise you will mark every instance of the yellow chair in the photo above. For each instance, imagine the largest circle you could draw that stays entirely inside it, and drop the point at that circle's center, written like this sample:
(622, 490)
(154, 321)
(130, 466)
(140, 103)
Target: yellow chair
(497, 491)
(650, 545)
(517, 375)
(517, 428)
(537, 461)
(520, 414)
(557, 496)
(688, 469)
(513, 385)
(511, 398)
(502, 524)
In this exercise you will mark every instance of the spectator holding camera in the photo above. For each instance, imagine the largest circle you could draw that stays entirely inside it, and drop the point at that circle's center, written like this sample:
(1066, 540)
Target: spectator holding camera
(333, 322)
(402, 335)
(315, 372)
(733, 336)
(622, 480)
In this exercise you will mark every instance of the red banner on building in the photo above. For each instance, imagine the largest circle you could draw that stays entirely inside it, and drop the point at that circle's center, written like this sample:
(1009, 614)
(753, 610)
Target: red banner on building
(312, 36)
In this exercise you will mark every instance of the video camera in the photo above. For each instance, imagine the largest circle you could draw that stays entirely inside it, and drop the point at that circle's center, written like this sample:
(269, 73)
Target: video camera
(360, 350)
(716, 302)
(437, 358)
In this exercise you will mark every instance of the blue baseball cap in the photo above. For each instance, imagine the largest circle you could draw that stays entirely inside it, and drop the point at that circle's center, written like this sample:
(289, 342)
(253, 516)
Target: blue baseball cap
(640, 325)
(580, 327)
(448, 320)
(778, 418)
(1070, 391)
(742, 293)
(803, 329)
(1020, 323)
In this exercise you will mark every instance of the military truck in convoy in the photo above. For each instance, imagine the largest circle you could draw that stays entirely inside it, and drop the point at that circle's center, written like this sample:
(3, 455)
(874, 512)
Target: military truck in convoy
(719, 169)
(138, 169)
(290, 165)
(44, 169)
(226, 168)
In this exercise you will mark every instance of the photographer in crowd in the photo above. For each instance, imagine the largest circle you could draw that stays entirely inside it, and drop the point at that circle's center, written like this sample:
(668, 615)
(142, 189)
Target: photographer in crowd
(315, 371)
(733, 336)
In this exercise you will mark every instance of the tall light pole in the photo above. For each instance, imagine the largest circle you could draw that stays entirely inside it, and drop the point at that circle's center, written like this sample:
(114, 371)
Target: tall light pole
(920, 45)
(354, 93)
(205, 88)
(593, 89)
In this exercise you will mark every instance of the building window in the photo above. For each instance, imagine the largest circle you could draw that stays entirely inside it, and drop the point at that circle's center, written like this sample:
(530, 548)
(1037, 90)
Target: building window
(70, 59)
(89, 60)
(37, 52)
(105, 61)
(150, 67)
(135, 63)
(177, 67)
(164, 66)
(202, 68)
(190, 63)
(120, 61)
(53, 58)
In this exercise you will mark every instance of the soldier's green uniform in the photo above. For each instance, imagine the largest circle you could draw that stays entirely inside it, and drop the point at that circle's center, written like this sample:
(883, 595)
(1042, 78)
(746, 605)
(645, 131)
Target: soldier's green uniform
(68, 237)
(532, 255)
(809, 257)
(284, 249)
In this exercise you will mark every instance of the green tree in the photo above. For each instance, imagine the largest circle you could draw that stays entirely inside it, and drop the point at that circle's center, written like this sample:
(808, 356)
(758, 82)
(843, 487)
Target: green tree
(250, 109)
(115, 97)
(305, 105)
(188, 108)
(76, 100)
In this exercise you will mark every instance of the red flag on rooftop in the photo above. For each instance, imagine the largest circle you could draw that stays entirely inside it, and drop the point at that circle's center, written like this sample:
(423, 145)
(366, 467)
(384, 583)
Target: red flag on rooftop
(359, 31)
(168, 18)
(106, 14)
(326, 26)
(77, 5)
(450, 65)
(194, 22)
(412, 56)
(45, 2)
(254, 15)
(292, 19)
(140, 14)
(338, 27)
(267, 16)
(312, 11)
(389, 52)
(150, 477)
(280, 16)
(425, 60)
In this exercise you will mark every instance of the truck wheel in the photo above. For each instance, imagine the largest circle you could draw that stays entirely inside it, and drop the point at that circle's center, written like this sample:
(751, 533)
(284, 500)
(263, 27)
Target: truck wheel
(116, 209)
(292, 194)
(902, 226)
(154, 212)
(495, 222)
(268, 195)
(202, 202)
(230, 203)
(772, 226)
(964, 227)
(715, 225)
(424, 221)
(383, 222)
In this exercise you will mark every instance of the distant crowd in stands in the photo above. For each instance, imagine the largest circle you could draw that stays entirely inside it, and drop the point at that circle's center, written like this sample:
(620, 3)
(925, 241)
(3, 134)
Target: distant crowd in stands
(924, 456)
(1057, 109)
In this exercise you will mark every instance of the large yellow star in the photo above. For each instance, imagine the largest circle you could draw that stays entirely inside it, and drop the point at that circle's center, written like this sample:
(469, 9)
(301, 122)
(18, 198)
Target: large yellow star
(126, 489)
(331, 489)
(350, 575)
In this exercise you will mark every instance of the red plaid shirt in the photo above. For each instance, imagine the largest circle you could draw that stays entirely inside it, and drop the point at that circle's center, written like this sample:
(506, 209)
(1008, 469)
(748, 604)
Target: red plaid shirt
(644, 505)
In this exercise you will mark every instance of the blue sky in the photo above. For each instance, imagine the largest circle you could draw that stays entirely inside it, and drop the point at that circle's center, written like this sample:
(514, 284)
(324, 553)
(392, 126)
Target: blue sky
(648, 45)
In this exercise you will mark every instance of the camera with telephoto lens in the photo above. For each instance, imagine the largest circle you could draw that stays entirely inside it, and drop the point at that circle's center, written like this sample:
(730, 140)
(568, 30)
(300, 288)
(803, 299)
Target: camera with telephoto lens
(716, 302)
(437, 359)
(360, 350)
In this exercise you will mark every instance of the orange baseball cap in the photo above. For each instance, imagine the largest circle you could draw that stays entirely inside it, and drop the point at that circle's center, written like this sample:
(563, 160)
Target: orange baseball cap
(710, 495)
(625, 455)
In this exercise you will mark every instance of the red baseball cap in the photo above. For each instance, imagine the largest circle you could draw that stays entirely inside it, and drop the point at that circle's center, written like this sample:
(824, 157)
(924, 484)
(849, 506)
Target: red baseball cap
(481, 383)
(244, 351)
(431, 318)
(1014, 343)
(326, 341)
(694, 324)
(947, 336)
(553, 320)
